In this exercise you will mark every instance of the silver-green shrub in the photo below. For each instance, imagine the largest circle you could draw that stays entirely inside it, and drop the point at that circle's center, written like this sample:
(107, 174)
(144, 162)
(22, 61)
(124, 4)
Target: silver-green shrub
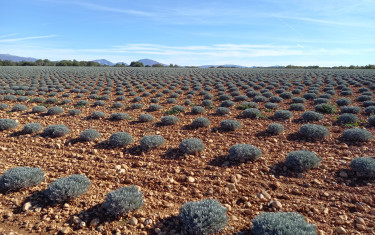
(191, 146)
(357, 134)
(275, 128)
(272, 223)
(19, 178)
(54, 131)
(67, 188)
(122, 201)
(32, 128)
(200, 122)
(151, 142)
(302, 160)
(244, 152)
(120, 139)
(230, 125)
(203, 217)
(314, 131)
(7, 124)
(363, 166)
(89, 135)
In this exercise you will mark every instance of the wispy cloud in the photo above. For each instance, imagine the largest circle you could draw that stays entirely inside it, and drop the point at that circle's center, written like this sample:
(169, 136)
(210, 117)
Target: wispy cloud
(98, 7)
(328, 22)
(8, 35)
(25, 38)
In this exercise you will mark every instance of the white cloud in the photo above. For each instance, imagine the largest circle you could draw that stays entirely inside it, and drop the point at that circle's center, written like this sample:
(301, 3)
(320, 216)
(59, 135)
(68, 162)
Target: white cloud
(25, 38)
(241, 54)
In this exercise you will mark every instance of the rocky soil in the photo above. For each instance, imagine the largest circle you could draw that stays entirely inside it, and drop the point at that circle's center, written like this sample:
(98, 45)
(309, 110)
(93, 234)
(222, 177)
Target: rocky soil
(331, 196)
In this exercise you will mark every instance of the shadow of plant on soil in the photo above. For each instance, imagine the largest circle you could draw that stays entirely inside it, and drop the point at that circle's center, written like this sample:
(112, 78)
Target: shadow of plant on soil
(173, 153)
(224, 161)
(170, 223)
(16, 134)
(39, 199)
(355, 181)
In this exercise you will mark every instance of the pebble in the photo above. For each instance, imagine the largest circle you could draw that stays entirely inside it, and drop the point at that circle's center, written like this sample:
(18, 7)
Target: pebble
(82, 224)
(359, 220)
(317, 182)
(133, 221)
(100, 228)
(26, 206)
(65, 230)
(276, 204)
(266, 195)
(360, 227)
(95, 222)
(231, 186)
(340, 230)
(147, 222)
(190, 179)
(343, 174)
(227, 206)
(157, 230)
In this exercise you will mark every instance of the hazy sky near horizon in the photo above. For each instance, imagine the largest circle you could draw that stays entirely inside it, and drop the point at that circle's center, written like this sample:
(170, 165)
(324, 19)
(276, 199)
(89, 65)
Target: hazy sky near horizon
(242, 32)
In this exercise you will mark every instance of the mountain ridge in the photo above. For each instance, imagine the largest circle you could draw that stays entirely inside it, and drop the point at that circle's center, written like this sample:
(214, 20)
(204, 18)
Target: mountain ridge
(146, 62)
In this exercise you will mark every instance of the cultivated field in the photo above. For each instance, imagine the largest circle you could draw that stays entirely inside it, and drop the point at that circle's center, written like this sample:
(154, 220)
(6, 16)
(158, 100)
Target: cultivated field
(233, 106)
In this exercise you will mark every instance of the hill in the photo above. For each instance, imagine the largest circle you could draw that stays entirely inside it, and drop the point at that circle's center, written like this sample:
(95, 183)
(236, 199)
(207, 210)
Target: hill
(150, 62)
(104, 62)
(16, 58)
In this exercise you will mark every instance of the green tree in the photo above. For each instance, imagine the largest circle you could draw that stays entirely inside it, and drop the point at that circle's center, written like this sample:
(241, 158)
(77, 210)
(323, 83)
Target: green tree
(136, 64)
(157, 65)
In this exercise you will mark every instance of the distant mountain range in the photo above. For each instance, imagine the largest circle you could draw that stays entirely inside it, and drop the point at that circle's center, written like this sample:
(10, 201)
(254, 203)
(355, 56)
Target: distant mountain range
(225, 66)
(16, 58)
(146, 62)
(149, 62)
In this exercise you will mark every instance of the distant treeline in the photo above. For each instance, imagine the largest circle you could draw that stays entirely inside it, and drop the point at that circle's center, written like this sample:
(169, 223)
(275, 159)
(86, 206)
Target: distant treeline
(77, 63)
(370, 66)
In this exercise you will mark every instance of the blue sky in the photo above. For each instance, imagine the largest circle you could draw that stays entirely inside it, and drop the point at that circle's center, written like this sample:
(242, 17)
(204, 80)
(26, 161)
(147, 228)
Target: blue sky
(260, 33)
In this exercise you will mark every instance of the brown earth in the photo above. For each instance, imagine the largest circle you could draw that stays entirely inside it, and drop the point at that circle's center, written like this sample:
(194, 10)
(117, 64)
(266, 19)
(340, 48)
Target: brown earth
(329, 196)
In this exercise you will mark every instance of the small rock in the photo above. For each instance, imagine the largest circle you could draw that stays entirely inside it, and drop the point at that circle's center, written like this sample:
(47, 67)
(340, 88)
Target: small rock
(326, 210)
(118, 167)
(190, 179)
(133, 221)
(343, 174)
(147, 222)
(82, 224)
(66, 205)
(266, 195)
(65, 230)
(317, 182)
(100, 228)
(260, 196)
(231, 186)
(360, 227)
(38, 209)
(157, 230)
(95, 222)
(76, 220)
(340, 230)
(276, 185)
(227, 206)
(359, 220)
(8, 215)
(248, 211)
(276, 204)
(26, 206)
(233, 218)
